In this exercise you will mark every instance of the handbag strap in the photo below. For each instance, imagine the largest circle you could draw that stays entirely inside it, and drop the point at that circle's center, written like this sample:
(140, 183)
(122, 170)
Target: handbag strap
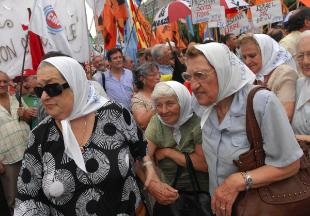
(192, 172)
(253, 131)
(177, 175)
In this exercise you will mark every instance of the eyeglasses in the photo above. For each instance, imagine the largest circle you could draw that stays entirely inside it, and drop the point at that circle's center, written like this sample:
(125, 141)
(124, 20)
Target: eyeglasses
(301, 56)
(198, 76)
(52, 90)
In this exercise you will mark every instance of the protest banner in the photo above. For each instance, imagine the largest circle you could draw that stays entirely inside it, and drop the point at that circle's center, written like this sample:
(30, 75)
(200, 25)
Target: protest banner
(238, 24)
(266, 13)
(205, 10)
(13, 37)
(218, 19)
(14, 15)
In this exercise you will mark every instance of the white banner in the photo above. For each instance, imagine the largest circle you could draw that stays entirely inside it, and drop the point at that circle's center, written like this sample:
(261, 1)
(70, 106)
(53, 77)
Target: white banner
(12, 41)
(205, 10)
(266, 13)
(238, 24)
(13, 38)
(218, 19)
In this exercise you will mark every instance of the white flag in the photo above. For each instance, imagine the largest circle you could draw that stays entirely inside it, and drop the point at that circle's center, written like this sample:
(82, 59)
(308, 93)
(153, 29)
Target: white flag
(72, 16)
(45, 23)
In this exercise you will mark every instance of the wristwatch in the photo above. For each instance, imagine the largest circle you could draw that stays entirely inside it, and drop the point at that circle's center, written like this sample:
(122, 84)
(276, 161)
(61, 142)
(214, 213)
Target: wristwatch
(247, 179)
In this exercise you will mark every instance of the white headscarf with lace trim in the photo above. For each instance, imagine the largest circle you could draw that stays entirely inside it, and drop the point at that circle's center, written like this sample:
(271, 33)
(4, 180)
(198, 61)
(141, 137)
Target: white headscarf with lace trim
(86, 100)
(273, 55)
(186, 112)
(232, 75)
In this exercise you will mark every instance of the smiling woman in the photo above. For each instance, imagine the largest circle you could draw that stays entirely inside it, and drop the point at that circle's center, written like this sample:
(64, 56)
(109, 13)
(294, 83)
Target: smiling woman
(175, 130)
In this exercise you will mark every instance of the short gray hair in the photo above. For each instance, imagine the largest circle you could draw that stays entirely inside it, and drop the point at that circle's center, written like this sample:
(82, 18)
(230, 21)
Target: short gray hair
(162, 90)
(303, 35)
(158, 51)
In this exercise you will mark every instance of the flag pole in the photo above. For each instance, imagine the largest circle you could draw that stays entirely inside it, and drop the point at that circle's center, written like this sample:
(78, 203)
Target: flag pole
(23, 67)
(88, 39)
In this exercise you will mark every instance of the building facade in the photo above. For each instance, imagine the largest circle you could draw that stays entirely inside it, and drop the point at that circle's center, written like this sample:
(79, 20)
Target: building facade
(150, 7)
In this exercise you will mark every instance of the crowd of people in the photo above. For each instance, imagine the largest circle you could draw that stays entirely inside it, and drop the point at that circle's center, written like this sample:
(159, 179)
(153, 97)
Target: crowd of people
(113, 138)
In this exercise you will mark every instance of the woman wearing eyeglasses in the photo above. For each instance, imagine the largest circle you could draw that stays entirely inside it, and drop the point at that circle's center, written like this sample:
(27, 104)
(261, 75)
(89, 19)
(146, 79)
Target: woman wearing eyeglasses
(146, 77)
(273, 66)
(301, 119)
(221, 83)
(79, 160)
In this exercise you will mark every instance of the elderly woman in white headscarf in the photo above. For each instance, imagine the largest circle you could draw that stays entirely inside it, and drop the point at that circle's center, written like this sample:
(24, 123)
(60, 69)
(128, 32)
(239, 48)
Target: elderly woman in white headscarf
(301, 119)
(273, 66)
(173, 130)
(79, 159)
(220, 84)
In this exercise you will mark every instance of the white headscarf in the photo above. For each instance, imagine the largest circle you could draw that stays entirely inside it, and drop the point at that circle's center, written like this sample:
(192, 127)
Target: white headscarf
(273, 55)
(86, 101)
(232, 75)
(304, 94)
(186, 112)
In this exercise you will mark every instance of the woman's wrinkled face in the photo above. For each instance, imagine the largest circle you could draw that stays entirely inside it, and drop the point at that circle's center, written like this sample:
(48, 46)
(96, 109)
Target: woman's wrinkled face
(303, 55)
(168, 109)
(203, 79)
(60, 106)
(251, 56)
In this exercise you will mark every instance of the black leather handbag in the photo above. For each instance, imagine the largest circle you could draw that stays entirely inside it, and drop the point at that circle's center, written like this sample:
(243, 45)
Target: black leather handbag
(190, 203)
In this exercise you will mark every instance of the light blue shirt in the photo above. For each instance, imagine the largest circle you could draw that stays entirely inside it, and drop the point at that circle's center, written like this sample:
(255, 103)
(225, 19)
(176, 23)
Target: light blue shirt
(301, 119)
(165, 69)
(223, 143)
(120, 90)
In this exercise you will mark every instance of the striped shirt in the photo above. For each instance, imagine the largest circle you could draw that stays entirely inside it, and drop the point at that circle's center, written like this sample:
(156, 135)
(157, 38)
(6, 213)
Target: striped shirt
(13, 134)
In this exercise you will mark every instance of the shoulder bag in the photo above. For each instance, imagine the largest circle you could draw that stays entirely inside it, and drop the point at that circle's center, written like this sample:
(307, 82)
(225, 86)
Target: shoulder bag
(290, 196)
(190, 203)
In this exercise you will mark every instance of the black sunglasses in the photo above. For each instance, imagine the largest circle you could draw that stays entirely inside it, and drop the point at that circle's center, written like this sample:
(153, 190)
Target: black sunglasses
(52, 90)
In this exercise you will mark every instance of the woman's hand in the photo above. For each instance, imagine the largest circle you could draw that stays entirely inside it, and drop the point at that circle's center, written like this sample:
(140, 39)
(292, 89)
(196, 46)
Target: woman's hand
(161, 153)
(225, 195)
(303, 137)
(162, 192)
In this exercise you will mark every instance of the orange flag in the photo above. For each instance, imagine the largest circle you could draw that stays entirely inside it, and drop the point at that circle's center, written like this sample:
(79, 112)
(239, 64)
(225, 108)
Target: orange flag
(142, 25)
(107, 26)
(119, 11)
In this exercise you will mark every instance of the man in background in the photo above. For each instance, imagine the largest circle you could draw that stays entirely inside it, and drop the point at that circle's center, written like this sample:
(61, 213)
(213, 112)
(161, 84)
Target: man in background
(231, 41)
(14, 133)
(118, 81)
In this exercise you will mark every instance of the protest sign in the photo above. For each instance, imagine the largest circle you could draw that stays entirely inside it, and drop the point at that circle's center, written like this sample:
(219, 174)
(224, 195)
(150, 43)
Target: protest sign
(238, 24)
(266, 13)
(205, 10)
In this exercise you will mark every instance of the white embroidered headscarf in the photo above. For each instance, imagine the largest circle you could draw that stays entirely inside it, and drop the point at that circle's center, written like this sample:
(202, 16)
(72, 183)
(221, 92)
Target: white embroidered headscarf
(273, 55)
(232, 75)
(86, 100)
(186, 112)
